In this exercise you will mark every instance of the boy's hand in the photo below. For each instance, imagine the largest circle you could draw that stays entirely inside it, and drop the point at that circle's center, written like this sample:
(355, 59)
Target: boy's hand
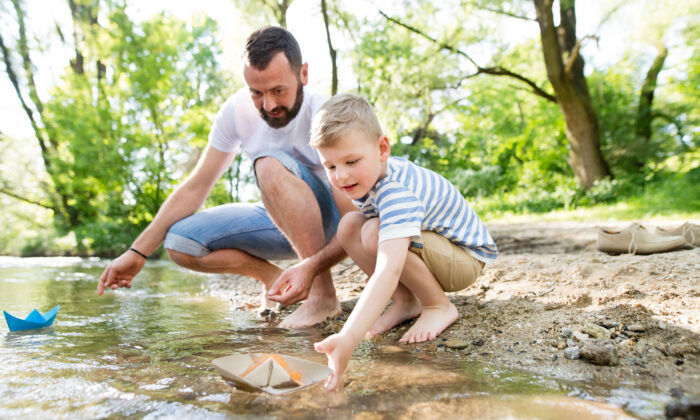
(293, 285)
(338, 350)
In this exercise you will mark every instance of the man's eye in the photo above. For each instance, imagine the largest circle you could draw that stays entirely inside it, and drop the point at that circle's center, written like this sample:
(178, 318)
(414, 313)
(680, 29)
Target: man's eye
(255, 93)
(279, 91)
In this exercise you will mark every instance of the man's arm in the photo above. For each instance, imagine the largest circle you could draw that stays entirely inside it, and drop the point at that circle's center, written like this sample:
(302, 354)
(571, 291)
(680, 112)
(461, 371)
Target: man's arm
(391, 257)
(184, 201)
(295, 282)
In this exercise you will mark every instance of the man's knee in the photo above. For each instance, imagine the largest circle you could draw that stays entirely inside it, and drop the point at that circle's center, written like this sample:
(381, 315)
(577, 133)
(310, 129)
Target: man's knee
(269, 171)
(181, 259)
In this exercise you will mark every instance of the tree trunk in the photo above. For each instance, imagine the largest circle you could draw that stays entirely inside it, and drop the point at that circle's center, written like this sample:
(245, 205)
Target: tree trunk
(571, 90)
(279, 10)
(644, 111)
(331, 50)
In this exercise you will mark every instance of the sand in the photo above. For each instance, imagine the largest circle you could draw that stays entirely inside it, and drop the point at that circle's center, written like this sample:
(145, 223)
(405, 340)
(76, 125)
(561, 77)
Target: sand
(554, 305)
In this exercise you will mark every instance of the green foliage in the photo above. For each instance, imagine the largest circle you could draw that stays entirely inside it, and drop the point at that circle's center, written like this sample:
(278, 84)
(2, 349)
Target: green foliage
(123, 137)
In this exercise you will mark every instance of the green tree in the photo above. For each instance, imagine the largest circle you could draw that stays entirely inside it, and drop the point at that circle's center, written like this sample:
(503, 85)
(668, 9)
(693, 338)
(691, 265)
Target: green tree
(116, 135)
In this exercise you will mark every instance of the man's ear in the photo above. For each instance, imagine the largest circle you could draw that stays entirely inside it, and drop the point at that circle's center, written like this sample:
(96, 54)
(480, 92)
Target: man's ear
(384, 148)
(304, 74)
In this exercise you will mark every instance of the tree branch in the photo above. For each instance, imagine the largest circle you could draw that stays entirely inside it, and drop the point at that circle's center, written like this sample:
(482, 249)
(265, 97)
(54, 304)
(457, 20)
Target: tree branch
(30, 113)
(575, 52)
(509, 14)
(494, 71)
(26, 200)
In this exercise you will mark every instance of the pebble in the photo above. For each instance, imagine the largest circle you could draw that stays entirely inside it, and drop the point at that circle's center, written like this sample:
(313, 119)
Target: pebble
(636, 328)
(595, 331)
(479, 342)
(456, 344)
(579, 336)
(392, 349)
(572, 353)
(662, 325)
(566, 332)
(628, 343)
(570, 343)
(600, 352)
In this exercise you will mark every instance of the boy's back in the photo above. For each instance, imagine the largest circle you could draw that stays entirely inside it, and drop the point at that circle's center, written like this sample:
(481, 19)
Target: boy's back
(411, 199)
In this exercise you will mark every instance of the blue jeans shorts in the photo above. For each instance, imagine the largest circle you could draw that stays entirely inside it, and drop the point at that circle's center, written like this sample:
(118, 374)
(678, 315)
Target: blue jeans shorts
(247, 226)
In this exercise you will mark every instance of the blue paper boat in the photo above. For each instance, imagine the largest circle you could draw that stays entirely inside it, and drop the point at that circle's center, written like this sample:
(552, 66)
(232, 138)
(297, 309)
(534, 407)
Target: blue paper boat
(33, 321)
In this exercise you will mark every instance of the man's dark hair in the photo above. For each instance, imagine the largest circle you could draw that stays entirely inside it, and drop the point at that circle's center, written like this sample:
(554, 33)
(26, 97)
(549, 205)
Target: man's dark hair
(266, 42)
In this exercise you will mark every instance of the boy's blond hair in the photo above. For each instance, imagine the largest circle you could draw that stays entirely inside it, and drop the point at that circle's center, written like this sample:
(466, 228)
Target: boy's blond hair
(341, 114)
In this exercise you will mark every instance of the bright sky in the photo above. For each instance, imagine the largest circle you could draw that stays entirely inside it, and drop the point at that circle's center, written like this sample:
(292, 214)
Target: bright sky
(304, 20)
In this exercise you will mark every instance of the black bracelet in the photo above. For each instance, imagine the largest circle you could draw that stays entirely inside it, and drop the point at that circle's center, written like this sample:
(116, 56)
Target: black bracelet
(138, 252)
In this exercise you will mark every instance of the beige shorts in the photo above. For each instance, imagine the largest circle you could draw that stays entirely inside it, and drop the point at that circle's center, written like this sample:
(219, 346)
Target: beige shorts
(452, 266)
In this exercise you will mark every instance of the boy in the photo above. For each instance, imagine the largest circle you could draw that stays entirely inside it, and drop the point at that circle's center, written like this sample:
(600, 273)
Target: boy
(402, 207)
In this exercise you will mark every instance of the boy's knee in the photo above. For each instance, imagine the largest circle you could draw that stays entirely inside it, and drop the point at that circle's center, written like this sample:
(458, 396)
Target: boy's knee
(350, 226)
(370, 235)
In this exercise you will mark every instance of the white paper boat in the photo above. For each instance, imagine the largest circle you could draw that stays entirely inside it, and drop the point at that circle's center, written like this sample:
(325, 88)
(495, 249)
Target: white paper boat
(273, 373)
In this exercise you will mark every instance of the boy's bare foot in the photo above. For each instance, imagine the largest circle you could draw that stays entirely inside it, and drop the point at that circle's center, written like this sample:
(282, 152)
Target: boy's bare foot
(399, 311)
(311, 312)
(430, 323)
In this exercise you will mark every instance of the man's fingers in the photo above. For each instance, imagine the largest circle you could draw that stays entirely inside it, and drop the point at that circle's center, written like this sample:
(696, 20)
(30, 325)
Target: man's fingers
(277, 286)
(105, 280)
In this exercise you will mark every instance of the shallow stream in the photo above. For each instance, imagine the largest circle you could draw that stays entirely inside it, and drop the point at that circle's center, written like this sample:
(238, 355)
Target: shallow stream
(147, 352)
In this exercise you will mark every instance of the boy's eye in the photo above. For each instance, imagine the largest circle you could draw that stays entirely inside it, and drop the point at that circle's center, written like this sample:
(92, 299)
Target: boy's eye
(351, 162)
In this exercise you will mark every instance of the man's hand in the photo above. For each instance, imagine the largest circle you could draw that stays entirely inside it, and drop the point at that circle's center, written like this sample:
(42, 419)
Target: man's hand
(293, 285)
(338, 349)
(121, 271)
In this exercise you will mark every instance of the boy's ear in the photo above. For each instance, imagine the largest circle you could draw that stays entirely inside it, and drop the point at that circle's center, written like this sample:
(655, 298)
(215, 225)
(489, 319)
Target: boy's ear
(384, 148)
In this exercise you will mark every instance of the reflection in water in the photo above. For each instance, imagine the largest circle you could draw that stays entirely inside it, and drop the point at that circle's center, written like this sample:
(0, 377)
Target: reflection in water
(148, 351)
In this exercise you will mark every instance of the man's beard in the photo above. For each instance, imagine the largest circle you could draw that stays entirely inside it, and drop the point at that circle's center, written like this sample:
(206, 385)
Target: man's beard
(288, 115)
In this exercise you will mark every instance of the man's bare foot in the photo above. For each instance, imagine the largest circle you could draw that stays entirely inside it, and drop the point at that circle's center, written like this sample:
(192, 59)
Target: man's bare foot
(311, 312)
(430, 323)
(399, 311)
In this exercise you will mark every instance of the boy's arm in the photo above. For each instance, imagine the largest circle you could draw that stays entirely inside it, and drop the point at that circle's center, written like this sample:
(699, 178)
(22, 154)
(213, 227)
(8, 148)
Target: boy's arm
(381, 285)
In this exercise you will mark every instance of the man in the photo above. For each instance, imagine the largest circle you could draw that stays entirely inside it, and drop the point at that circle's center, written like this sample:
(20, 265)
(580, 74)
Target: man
(270, 121)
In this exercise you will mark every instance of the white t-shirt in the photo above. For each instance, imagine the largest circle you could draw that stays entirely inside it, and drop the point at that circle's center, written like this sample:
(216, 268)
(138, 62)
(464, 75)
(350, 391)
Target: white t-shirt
(238, 123)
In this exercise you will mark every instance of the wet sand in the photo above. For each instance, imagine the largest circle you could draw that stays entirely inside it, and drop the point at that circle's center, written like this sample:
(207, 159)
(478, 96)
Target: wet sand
(554, 305)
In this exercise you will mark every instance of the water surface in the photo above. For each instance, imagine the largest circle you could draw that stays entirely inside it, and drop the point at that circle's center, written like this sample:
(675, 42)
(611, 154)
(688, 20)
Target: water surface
(147, 352)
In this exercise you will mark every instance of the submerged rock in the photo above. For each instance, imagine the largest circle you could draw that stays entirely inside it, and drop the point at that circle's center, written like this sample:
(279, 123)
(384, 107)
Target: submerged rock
(456, 344)
(600, 352)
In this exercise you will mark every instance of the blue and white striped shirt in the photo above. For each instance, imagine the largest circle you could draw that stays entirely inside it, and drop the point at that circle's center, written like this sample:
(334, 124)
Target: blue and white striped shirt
(411, 199)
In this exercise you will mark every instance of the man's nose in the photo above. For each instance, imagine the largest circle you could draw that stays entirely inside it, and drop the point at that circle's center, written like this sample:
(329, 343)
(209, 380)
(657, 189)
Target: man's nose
(269, 103)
